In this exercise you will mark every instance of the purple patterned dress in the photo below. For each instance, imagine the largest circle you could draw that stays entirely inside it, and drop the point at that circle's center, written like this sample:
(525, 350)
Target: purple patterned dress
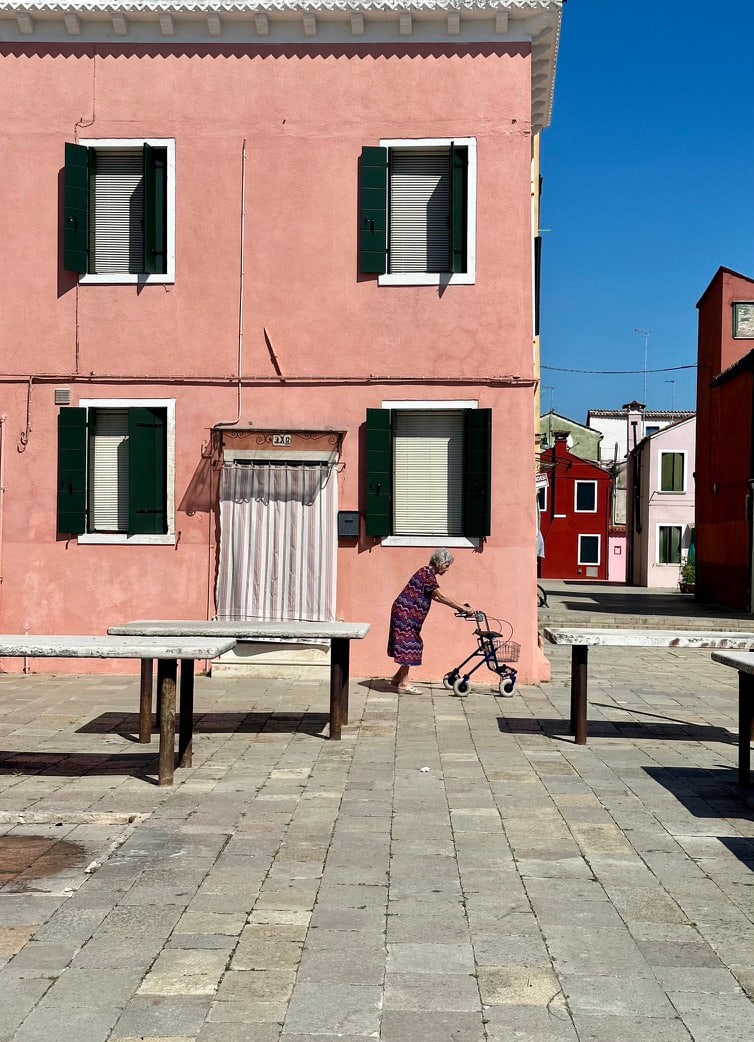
(407, 616)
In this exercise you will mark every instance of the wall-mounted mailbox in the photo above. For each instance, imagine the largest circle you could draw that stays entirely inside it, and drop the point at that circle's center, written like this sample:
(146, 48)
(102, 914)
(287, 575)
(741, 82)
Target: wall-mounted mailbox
(348, 524)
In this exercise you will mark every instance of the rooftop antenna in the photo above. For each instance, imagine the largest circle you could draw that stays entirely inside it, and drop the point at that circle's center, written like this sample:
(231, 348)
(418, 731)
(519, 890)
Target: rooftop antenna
(672, 394)
(552, 396)
(645, 333)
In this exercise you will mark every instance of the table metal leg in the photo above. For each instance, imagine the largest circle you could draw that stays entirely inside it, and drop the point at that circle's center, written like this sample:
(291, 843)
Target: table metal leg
(167, 672)
(745, 723)
(579, 672)
(186, 723)
(338, 682)
(145, 700)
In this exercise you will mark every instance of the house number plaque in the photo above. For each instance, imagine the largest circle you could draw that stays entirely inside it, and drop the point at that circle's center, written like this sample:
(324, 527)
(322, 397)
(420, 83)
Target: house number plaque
(282, 439)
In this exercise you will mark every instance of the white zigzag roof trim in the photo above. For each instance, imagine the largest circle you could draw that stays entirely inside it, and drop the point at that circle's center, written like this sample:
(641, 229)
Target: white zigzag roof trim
(247, 6)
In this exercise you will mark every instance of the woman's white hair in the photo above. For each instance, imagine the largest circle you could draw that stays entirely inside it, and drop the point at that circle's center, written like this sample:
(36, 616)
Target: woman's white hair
(441, 557)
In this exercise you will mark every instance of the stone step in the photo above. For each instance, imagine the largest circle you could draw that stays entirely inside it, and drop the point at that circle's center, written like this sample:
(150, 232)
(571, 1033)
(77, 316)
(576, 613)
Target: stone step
(743, 624)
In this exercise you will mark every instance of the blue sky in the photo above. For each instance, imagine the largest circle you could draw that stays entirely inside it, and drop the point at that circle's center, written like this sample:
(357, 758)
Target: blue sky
(648, 189)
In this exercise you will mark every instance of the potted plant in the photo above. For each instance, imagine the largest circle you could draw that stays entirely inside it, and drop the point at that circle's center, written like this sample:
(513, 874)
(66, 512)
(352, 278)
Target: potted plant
(687, 581)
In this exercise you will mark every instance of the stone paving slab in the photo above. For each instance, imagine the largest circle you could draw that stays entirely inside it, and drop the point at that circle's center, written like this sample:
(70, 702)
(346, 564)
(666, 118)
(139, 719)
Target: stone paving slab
(287, 889)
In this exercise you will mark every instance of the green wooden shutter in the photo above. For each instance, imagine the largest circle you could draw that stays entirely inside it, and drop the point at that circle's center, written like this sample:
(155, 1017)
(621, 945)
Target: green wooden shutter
(72, 471)
(147, 471)
(379, 473)
(459, 163)
(155, 210)
(477, 472)
(76, 208)
(373, 211)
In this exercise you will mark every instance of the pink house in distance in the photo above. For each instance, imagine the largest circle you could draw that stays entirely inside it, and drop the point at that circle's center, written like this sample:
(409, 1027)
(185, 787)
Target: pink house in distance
(661, 503)
(270, 334)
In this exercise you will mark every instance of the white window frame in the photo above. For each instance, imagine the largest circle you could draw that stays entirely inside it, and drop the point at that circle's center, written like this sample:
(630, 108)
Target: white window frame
(672, 491)
(166, 538)
(586, 481)
(435, 278)
(412, 540)
(598, 537)
(669, 564)
(128, 278)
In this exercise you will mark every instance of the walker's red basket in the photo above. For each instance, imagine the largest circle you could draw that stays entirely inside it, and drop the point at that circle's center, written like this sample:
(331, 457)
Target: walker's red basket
(507, 650)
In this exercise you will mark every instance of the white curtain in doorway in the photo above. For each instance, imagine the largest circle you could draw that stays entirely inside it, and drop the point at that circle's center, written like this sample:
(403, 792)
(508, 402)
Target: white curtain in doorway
(278, 542)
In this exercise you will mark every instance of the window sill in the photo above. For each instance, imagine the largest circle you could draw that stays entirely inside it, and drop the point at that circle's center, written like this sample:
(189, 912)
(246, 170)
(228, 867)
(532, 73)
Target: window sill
(120, 539)
(430, 540)
(418, 278)
(126, 279)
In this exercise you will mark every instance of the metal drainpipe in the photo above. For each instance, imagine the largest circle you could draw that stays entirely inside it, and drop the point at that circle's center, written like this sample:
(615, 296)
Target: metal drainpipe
(242, 272)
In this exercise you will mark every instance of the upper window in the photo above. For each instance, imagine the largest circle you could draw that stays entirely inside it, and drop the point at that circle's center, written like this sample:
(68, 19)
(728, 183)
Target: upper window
(115, 467)
(418, 206)
(650, 429)
(743, 320)
(119, 214)
(428, 472)
(585, 497)
(542, 498)
(672, 472)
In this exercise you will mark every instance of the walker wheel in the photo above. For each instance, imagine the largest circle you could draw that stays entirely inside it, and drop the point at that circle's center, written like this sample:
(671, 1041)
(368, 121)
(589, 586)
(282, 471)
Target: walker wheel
(461, 686)
(507, 686)
(449, 680)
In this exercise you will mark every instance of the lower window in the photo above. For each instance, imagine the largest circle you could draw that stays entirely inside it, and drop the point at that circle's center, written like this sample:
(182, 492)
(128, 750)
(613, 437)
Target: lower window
(428, 472)
(589, 549)
(669, 544)
(113, 465)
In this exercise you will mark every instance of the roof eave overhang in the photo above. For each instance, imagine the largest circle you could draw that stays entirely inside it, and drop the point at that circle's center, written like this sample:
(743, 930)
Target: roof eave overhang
(313, 22)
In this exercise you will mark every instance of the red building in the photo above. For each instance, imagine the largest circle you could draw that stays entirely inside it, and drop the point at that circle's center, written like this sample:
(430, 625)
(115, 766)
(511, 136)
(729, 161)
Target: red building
(724, 436)
(574, 515)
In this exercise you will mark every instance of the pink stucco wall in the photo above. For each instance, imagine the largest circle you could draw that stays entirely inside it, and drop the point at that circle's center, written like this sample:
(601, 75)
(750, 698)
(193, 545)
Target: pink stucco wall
(305, 114)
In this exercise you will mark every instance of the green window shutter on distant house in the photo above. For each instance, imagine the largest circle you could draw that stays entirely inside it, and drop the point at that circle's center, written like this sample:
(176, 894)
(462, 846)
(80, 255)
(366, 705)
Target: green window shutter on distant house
(147, 471)
(379, 472)
(373, 211)
(72, 437)
(76, 208)
(477, 472)
(155, 212)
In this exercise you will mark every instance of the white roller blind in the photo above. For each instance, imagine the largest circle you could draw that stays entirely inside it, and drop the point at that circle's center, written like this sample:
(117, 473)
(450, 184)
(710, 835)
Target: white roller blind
(108, 470)
(428, 472)
(419, 210)
(117, 212)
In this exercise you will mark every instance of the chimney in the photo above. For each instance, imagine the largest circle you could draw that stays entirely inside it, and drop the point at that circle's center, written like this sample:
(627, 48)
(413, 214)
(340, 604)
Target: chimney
(635, 419)
(560, 443)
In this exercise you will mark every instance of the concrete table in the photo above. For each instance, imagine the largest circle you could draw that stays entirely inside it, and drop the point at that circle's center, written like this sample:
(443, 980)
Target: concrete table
(581, 639)
(168, 651)
(744, 663)
(340, 635)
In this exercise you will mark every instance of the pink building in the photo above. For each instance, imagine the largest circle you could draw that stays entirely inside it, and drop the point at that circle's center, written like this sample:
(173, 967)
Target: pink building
(269, 338)
(661, 500)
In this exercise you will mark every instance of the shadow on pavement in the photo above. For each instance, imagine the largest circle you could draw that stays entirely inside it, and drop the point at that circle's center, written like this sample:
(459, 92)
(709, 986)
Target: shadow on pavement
(632, 729)
(711, 792)
(127, 724)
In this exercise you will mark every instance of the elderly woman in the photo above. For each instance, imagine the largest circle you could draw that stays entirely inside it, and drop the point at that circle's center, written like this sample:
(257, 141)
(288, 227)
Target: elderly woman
(410, 609)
